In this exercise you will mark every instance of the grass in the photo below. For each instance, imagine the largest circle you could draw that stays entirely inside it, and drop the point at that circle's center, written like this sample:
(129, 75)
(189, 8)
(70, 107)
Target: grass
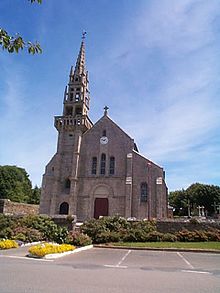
(183, 245)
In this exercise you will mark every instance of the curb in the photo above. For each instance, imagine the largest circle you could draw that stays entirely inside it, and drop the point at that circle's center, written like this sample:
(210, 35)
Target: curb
(159, 249)
(58, 255)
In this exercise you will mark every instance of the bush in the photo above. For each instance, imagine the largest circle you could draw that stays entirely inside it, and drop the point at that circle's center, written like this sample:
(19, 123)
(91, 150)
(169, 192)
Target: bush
(154, 236)
(107, 236)
(168, 237)
(6, 233)
(47, 248)
(93, 228)
(79, 239)
(191, 236)
(27, 234)
(213, 235)
(45, 225)
(6, 244)
(33, 227)
(135, 235)
(114, 229)
(145, 226)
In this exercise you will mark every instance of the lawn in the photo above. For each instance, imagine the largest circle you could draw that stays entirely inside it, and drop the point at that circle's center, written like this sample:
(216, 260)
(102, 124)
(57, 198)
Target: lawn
(183, 245)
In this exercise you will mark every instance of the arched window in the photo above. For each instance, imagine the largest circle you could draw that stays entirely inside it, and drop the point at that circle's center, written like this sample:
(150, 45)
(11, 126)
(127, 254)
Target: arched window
(67, 184)
(64, 208)
(112, 166)
(102, 164)
(104, 132)
(94, 165)
(143, 192)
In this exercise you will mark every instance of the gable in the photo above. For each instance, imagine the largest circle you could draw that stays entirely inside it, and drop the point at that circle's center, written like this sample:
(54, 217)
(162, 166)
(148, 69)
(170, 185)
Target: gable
(108, 122)
(106, 127)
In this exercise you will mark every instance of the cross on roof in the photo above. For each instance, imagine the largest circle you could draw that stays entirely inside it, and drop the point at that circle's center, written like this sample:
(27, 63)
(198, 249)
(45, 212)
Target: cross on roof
(84, 35)
(106, 110)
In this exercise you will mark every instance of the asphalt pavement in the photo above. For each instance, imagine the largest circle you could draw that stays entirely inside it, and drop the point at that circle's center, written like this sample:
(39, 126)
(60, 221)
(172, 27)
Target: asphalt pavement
(100, 270)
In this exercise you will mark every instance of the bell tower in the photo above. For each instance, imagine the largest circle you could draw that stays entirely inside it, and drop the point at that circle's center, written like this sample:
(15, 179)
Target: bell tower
(60, 181)
(76, 97)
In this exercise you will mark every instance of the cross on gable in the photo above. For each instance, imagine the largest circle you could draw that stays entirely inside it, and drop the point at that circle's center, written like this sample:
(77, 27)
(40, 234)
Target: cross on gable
(106, 110)
(84, 35)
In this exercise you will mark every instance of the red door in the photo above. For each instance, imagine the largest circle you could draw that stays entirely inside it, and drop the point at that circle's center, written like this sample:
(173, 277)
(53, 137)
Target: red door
(101, 207)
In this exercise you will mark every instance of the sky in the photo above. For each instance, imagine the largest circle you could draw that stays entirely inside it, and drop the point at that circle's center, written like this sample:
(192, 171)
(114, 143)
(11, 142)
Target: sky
(154, 63)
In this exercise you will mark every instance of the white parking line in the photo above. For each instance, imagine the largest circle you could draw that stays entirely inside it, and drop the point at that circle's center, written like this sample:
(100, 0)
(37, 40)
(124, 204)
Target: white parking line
(26, 258)
(196, 272)
(118, 265)
(115, 266)
(185, 260)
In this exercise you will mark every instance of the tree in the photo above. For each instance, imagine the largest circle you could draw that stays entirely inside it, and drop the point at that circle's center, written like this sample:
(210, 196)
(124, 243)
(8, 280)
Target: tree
(15, 184)
(35, 196)
(16, 43)
(178, 200)
(186, 202)
(204, 195)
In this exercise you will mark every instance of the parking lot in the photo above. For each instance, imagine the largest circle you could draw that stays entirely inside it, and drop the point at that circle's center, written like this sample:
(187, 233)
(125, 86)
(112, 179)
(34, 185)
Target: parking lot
(112, 270)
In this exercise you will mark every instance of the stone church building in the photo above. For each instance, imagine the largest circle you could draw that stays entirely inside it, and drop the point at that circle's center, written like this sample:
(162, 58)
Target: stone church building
(97, 169)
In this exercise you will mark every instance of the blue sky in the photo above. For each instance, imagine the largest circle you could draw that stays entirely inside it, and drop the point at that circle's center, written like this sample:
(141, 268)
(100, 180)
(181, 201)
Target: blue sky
(155, 63)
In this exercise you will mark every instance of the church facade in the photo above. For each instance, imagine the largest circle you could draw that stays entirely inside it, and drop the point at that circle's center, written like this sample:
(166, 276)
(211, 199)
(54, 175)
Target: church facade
(97, 169)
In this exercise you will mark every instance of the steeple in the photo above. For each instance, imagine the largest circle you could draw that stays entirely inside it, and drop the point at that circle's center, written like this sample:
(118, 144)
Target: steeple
(76, 94)
(80, 67)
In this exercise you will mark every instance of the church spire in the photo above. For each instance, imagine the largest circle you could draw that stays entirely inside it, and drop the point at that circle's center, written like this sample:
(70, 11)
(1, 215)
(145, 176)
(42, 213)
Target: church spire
(80, 68)
(76, 96)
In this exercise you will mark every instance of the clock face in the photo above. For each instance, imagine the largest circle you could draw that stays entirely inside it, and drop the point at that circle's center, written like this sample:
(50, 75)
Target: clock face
(104, 140)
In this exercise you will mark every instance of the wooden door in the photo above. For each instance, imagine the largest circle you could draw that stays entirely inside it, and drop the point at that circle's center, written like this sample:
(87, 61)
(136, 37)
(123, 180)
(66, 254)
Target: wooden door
(100, 207)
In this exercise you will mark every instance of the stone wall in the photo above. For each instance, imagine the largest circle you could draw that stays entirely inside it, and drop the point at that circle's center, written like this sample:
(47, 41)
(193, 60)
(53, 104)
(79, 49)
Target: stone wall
(175, 226)
(15, 208)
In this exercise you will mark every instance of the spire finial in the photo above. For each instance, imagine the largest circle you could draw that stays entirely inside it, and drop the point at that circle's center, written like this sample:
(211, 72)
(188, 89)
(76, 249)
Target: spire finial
(106, 110)
(84, 35)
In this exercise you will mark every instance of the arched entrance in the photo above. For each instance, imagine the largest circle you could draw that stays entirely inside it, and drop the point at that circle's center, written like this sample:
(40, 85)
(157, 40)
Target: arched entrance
(101, 203)
(64, 208)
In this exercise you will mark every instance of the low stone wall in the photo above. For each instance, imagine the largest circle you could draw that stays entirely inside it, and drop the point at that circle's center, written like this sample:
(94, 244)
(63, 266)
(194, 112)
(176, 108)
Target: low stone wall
(65, 221)
(175, 226)
(8, 207)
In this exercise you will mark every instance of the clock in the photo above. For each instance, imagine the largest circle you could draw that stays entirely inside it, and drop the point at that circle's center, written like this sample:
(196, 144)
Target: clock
(104, 140)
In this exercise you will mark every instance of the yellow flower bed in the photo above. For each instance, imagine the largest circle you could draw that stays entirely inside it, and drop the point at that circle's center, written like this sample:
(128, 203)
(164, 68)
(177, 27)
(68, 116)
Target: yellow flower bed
(6, 244)
(41, 250)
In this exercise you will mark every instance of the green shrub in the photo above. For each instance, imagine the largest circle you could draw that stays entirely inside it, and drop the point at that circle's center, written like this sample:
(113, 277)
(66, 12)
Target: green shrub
(79, 239)
(20, 237)
(135, 235)
(213, 235)
(33, 227)
(6, 233)
(5, 222)
(107, 236)
(168, 237)
(26, 234)
(47, 227)
(192, 236)
(154, 236)
(114, 229)
(93, 227)
(145, 226)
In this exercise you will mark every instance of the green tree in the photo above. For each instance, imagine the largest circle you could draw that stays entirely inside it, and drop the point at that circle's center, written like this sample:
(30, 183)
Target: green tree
(204, 195)
(35, 196)
(15, 184)
(178, 200)
(186, 202)
(16, 43)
